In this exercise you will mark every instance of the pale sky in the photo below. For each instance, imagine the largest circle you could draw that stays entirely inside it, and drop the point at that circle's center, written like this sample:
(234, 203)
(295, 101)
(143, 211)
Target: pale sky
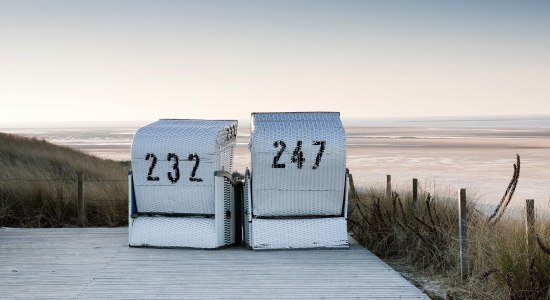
(143, 60)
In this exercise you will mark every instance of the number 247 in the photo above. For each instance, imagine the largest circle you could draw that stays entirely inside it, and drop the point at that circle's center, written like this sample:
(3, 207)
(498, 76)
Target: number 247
(297, 155)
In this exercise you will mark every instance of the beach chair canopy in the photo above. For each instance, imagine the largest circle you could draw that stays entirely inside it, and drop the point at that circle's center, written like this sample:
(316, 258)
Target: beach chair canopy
(298, 164)
(173, 164)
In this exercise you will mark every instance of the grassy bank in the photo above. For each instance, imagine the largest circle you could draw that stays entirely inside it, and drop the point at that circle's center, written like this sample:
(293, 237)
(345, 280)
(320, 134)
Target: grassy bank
(501, 267)
(38, 185)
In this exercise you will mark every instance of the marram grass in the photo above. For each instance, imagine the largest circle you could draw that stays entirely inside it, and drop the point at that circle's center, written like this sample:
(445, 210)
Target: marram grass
(501, 267)
(38, 185)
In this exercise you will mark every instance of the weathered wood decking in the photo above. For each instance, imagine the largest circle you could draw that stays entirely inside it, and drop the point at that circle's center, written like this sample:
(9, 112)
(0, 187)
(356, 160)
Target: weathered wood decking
(97, 263)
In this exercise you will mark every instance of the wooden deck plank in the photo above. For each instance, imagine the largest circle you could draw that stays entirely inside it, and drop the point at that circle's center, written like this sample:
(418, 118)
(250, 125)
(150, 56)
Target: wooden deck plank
(90, 263)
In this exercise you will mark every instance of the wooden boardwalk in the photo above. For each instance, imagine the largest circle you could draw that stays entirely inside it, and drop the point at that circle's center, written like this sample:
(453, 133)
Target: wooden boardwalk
(96, 263)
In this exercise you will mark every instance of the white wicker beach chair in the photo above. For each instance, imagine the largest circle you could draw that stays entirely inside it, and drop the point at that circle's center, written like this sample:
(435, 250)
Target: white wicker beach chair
(180, 187)
(296, 194)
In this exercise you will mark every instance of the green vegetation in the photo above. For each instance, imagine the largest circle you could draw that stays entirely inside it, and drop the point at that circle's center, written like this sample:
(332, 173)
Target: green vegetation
(501, 267)
(38, 185)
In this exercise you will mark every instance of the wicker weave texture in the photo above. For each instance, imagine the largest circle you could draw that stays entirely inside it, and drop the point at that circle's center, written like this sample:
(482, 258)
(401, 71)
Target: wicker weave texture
(308, 176)
(320, 203)
(200, 147)
(299, 233)
(193, 232)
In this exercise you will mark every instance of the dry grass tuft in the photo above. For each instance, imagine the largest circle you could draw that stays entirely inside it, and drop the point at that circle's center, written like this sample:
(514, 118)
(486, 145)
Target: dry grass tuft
(500, 264)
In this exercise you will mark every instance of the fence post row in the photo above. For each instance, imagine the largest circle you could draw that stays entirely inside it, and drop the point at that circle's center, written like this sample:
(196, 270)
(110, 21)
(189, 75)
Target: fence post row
(388, 186)
(530, 226)
(415, 198)
(353, 191)
(463, 233)
(81, 206)
(462, 211)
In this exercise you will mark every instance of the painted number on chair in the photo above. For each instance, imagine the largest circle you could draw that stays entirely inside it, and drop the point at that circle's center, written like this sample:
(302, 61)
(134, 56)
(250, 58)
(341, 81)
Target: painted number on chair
(174, 175)
(297, 154)
(231, 132)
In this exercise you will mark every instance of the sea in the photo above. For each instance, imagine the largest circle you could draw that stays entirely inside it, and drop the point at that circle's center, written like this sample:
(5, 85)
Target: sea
(444, 154)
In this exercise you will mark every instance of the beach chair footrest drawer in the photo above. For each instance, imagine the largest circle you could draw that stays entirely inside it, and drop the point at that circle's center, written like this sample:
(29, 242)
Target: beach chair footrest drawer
(298, 233)
(174, 232)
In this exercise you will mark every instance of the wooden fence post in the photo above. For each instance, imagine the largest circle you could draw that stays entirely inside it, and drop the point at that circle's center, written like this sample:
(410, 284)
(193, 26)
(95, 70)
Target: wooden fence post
(463, 233)
(415, 197)
(388, 186)
(81, 206)
(353, 191)
(530, 226)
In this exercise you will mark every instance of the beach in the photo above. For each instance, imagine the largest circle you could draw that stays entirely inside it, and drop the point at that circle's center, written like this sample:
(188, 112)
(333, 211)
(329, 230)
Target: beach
(442, 155)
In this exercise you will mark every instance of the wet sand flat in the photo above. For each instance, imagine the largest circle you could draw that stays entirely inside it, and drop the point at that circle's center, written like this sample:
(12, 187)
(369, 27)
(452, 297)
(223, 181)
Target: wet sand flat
(442, 157)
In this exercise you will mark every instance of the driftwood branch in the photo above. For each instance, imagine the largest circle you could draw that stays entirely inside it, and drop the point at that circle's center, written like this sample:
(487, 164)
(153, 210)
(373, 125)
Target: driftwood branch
(508, 194)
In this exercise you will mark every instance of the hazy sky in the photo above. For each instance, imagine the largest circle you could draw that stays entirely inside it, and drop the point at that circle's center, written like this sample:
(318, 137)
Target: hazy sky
(140, 60)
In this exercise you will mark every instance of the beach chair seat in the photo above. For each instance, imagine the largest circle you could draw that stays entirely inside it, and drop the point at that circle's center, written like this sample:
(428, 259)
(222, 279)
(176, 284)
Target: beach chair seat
(180, 187)
(295, 195)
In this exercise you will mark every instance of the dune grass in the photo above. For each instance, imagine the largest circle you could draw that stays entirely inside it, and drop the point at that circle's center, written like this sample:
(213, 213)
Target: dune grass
(501, 267)
(38, 185)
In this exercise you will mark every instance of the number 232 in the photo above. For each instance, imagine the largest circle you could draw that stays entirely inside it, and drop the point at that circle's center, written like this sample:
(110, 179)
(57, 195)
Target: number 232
(173, 176)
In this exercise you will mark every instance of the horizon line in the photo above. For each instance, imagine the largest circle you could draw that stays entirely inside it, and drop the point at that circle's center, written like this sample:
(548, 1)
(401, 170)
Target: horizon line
(411, 119)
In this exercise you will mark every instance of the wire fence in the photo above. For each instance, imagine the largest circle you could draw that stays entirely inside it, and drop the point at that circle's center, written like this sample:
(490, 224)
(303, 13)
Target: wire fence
(446, 190)
(58, 189)
(66, 201)
(62, 179)
(87, 194)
